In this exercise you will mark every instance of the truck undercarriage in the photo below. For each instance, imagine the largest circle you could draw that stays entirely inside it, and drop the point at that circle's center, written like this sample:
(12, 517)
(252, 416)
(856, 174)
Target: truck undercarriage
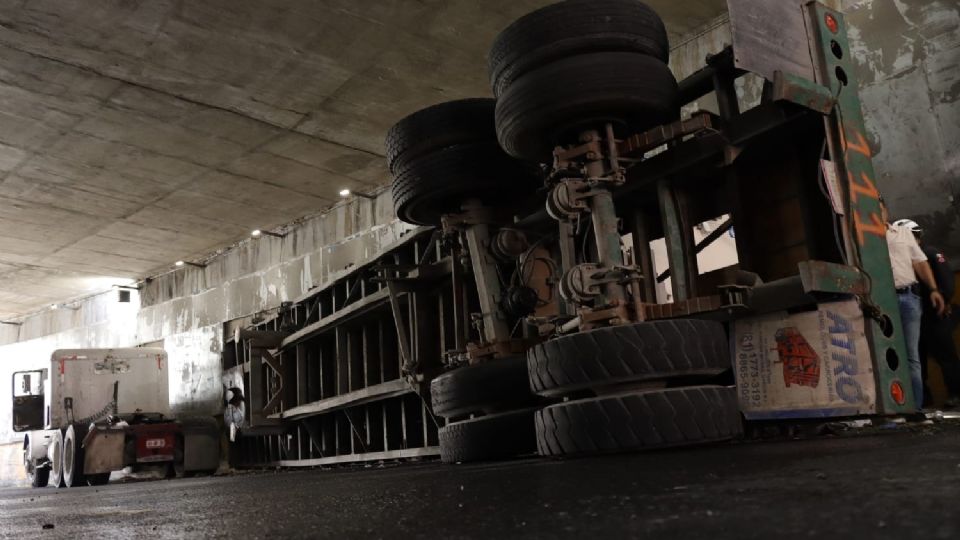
(522, 316)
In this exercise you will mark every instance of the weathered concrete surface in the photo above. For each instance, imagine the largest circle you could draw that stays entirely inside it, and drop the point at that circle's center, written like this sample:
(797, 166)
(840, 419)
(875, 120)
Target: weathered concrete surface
(185, 311)
(134, 134)
(908, 59)
(899, 485)
(12, 473)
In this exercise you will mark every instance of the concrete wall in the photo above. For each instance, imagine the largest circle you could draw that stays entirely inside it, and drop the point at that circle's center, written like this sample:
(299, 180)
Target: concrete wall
(908, 58)
(185, 310)
(11, 466)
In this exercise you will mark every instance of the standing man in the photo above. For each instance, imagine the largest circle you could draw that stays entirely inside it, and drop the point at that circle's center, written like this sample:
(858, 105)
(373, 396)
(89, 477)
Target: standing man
(936, 332)
(910, 266)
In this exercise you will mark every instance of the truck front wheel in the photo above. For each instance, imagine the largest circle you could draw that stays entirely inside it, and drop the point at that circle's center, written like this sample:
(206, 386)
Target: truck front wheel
(38, 476)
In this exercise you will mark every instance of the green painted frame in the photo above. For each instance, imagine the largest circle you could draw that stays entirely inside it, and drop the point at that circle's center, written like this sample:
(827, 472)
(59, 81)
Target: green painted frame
(866, 231)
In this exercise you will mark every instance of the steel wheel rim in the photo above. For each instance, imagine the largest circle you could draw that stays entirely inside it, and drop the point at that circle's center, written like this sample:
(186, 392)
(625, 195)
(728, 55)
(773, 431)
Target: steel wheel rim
(56, 468)
(68, 456)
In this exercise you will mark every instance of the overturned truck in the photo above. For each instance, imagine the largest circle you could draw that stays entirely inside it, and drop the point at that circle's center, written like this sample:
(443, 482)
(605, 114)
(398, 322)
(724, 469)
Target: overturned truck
(523, 316)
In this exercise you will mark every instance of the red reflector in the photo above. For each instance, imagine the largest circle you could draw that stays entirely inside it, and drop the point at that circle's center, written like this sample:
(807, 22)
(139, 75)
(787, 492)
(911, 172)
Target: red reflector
(155, 443)
(896, 392)
(831, 23)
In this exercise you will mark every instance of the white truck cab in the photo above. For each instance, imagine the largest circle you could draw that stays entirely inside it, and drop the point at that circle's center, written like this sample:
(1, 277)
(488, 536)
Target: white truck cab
(93, 411)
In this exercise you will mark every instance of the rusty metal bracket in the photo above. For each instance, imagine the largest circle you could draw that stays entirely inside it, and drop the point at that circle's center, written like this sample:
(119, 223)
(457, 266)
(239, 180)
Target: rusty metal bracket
(824, 277)
(568, 199)
(641, 143)
(403, 331)
(569, 158)
(581, 284)
(474, 214)
(699, 304)
(734, 297)
(590, 318)
(804, 92)
(489, 351)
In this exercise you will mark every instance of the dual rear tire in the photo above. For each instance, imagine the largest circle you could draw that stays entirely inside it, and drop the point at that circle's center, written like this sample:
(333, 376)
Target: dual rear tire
(67, 457)
(489, 411)
(73, 456)
(575, 66)
(571, 28)
(445, 155)
(634, 387)
(639, 420)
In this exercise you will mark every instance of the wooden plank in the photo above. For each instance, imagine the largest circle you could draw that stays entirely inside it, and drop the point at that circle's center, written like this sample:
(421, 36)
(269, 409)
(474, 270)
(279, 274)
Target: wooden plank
(427, 451)
(377, 392)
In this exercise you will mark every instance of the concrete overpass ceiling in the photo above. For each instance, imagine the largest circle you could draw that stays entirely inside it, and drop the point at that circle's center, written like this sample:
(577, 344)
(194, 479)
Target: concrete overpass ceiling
(137, 133)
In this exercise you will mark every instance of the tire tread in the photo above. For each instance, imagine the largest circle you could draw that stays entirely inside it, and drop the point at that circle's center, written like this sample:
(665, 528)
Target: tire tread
(639, 420)
(440, 182)
(617, 354)
(575, 27)
(490, 437)
(451, 123)
(551, 104)
(495, 384)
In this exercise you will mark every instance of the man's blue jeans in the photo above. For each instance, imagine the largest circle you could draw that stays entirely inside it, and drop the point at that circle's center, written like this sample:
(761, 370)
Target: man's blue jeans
(911, 311)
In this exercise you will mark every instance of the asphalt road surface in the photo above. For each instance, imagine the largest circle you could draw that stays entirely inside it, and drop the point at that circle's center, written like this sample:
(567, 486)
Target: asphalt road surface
(902, 483)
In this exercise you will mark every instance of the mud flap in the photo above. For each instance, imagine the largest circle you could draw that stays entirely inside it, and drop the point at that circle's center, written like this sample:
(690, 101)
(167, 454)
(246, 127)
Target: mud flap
(103, 450)
(201, 444)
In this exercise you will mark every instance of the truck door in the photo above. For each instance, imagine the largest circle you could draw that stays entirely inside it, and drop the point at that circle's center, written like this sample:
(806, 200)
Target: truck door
(28, 405)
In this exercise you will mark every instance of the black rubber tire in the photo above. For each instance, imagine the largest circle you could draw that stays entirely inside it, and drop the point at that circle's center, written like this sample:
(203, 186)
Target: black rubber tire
(56, 464)
(575, 27)
(73, 456)
(439, 183)
(452, 123)
(39, 477)
(496, 436)
(482, 388)
(624, 354)
(99, 479)
(554, 104)
(639, 421)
